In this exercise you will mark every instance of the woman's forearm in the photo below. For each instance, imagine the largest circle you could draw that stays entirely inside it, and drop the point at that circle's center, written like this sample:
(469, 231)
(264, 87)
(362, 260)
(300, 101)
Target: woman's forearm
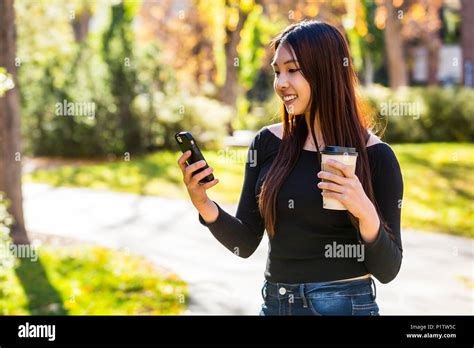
(208, 211)
(383, 257)
(369, 226)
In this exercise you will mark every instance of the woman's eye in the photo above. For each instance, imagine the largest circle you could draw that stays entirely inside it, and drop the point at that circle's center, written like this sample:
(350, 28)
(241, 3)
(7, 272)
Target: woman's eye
(289, 70)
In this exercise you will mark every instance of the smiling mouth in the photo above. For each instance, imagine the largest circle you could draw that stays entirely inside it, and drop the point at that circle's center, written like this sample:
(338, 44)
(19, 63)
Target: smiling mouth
(288, 99)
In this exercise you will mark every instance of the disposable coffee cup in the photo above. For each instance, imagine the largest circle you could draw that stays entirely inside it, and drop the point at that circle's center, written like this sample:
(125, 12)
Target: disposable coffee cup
(345, 155)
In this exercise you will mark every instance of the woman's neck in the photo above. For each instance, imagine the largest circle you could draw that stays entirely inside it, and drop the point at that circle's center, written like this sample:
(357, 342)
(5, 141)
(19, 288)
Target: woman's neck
(309, 144)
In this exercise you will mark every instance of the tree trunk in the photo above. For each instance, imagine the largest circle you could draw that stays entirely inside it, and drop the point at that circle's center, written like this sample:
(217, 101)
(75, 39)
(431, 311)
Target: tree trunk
(433, 46)
(369, 70)
(80, 25)
(10, 141)
(467, 43)
(397, 70)
(229, 91)
(433, 41)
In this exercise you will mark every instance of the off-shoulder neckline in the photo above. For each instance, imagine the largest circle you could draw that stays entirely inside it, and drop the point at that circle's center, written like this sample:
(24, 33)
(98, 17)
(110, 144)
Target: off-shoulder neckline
(276, 136)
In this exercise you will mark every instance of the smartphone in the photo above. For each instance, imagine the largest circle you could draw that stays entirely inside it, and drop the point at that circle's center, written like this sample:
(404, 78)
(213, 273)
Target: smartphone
(186, 142)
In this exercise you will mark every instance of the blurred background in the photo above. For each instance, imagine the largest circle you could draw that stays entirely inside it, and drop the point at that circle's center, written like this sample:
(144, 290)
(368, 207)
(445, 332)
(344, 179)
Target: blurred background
(94, 216)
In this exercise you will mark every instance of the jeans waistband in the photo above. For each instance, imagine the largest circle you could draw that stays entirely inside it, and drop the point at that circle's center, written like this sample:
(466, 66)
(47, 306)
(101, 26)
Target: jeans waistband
(319, 289)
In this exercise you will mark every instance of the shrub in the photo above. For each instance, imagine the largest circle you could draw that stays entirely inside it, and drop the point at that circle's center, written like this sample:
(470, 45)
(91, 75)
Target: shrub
(205, 118)
(420, 114)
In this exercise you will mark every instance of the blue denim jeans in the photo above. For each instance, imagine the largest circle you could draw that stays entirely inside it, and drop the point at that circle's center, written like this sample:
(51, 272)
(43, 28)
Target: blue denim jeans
(354, 297)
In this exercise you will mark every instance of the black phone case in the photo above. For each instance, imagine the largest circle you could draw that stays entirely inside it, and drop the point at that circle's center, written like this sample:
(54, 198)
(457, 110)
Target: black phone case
(186, 142)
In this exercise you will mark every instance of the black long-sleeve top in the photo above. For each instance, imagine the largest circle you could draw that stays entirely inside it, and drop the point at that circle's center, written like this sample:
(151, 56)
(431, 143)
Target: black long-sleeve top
(305, 231)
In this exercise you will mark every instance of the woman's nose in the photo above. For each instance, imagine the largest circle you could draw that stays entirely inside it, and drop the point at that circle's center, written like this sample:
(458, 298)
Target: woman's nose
(281, 84)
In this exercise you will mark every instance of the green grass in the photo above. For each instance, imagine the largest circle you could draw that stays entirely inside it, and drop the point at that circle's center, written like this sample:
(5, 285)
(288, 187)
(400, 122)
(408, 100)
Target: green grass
(438, 179)
(439, 187)
(88, 281)
(154, 174)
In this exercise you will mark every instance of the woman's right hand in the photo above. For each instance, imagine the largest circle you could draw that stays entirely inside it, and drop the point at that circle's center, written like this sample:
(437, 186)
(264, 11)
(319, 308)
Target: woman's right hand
(196, 191)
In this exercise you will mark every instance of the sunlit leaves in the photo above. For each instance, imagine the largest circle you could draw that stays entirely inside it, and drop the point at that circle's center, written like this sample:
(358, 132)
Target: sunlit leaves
(6, 81)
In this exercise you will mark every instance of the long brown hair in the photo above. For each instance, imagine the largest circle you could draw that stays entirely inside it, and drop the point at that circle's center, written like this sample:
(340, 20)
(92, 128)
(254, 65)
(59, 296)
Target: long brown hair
(323, 56)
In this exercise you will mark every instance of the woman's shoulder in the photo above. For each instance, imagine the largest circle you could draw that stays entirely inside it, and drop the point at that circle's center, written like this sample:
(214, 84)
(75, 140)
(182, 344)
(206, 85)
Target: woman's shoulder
(373, 139)
(276, 129)
(267, 141)
(269, 134)
(383, 159)
(375, 146)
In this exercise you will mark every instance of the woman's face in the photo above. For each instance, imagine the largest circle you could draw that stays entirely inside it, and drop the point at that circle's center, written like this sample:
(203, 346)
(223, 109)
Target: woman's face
(289, 82)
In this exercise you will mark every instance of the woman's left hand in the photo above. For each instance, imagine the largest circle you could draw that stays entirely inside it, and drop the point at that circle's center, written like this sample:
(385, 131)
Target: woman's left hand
(346, 189)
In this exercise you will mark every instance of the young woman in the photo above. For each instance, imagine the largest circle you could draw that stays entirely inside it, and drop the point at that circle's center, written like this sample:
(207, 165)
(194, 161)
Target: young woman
(283, 190)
